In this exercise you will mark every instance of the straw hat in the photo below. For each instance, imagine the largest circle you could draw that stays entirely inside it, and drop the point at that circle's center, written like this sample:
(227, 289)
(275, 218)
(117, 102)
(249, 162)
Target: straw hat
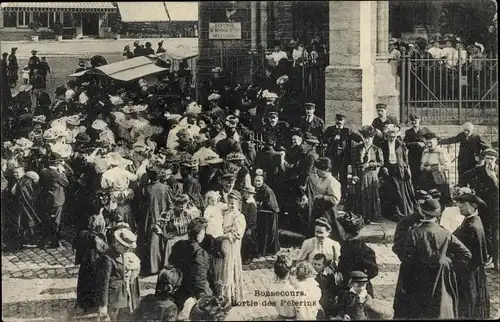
(126, 237)
(235, 156)
(39, 119)
(64, 150)
(213, 160)
(191, 163)
(73, 120)
(213, 97)
(139, 108)
(99, 125)
(282, 80)
(113, 158)
(59, 124)
(216, 70)
(50, 134)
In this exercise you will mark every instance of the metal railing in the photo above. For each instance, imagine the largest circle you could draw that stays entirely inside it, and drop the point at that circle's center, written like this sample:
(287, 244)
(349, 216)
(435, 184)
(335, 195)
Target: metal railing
(450, 91)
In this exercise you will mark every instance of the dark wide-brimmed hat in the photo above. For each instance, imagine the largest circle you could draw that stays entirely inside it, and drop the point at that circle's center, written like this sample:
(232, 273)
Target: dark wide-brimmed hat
(323, 164)
(181, 200)
(368, 131)
(311, 139)
(55, 157)
(471, 199)
(431, 207)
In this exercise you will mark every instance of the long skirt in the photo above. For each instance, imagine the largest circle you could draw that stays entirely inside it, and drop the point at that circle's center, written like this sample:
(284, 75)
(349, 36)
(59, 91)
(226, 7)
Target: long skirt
(267, 233)
(228, 272)
(168, 246)
(367, 196)
(427, 183)
(397, 195)
(473, 296)
(124, 209)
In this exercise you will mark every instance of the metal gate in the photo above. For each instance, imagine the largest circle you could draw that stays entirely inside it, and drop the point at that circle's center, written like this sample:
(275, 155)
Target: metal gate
(450, 91)
(312, 81)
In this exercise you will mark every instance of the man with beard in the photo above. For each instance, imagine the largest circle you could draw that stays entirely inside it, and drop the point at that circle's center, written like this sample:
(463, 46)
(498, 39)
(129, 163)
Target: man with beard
(27, 221)
(471, 146)
(339, 139)
(415, 144)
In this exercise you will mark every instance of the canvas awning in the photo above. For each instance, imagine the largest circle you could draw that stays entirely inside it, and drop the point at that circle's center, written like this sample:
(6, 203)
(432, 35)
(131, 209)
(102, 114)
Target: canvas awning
(163, 11)
(59, 6)
(129, 69)
(78, 74)
(178, 53)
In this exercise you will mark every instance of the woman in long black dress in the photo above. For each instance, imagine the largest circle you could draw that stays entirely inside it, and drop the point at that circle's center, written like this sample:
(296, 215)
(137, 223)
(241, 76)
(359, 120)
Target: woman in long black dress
(267, 217)
(397, 194)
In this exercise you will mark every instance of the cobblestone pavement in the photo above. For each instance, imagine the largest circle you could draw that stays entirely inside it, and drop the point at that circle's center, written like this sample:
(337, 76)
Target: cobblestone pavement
(40, 284)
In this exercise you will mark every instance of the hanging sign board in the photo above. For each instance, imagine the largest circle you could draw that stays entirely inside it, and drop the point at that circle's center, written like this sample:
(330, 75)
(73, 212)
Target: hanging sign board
(224, 30)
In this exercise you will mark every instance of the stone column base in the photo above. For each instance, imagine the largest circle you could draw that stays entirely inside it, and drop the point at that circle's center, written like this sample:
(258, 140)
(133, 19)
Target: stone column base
(350, 90)
(387, 87)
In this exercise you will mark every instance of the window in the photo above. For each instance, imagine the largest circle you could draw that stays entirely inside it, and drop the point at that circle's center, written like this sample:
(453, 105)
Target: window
(23, 18)
(42, 18)
(53, 18)
(10, 19)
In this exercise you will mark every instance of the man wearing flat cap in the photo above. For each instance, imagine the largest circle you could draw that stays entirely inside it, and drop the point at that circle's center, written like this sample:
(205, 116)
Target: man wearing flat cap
(415, 143)
(338, 140)
(311, 123)
(473, 295)
(433, 253)
(483, 180)
(277, 129)
(381, 121)
(471, 146)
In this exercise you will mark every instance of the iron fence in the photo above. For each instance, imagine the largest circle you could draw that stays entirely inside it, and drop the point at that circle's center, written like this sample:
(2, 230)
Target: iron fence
(450, 91)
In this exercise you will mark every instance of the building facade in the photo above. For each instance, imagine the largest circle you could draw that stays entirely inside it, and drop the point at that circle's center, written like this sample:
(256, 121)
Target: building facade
(78, 18)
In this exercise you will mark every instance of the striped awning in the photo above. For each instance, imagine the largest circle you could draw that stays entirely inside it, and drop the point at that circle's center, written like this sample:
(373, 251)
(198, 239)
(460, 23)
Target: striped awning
(59, 6)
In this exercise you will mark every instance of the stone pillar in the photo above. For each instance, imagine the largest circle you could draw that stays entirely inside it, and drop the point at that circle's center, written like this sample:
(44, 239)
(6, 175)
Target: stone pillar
(263, 24)
(382, 27)
(387, 85)
(350, 78)
(253, 26)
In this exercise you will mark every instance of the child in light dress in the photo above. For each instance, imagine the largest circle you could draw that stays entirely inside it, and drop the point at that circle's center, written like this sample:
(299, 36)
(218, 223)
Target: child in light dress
(213, 213)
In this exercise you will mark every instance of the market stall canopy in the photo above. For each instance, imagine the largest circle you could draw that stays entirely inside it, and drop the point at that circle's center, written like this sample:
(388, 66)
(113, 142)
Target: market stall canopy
(158, 11)
(178, 53)
(59, 6)
(127, 70)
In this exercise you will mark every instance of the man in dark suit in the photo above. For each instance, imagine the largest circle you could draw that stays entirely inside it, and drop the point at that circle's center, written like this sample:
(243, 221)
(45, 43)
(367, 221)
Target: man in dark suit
(484, 181)
(431, 253)
(268, 160)
(311, 123)
(192, 258)
(474, 300)
(471, 146)
(415, 144)
(338, 140)
(277, 130)
(53, 181)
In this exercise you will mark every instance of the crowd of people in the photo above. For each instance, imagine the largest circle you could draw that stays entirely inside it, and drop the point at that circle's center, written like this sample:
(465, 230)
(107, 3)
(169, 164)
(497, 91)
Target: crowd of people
(442, 65)
(191, 191)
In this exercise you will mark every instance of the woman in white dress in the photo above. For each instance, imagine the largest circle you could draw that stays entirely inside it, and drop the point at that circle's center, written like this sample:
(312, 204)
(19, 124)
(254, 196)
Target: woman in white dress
(321, 244)
(228, 270)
